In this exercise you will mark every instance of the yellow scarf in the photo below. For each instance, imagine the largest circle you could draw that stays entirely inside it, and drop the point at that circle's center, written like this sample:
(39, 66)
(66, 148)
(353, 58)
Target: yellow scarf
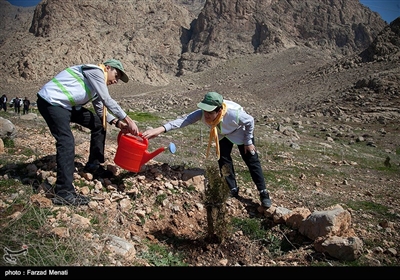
(102, 66)
(214, 132)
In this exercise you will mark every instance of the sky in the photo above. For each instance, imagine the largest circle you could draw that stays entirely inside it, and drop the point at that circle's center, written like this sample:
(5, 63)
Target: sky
(389, 10)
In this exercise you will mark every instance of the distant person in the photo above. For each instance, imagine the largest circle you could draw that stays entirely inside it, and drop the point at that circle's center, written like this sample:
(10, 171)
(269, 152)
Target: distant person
(2, 102)
(61, 102)
(17, 105)
(229, 125)
(4, 99)
(26, 104)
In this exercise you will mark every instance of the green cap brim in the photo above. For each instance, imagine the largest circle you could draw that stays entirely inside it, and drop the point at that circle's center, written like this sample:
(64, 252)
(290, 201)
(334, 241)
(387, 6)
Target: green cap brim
(206, 107)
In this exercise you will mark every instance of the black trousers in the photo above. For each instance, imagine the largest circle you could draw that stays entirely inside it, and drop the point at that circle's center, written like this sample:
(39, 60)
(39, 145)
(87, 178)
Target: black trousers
(252, 162)
(58, 120)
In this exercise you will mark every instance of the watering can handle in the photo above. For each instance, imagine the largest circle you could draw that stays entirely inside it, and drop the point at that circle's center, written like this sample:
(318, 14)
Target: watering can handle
(145, 140)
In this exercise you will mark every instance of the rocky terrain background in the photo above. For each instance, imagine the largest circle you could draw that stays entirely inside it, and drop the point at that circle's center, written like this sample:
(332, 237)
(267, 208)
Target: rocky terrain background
(158, 40)
(319, 75)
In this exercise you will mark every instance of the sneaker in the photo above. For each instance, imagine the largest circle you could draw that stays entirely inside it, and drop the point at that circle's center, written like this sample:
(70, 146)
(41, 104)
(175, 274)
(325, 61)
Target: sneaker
(265, 200)
(91, 167)
(98, 171)
(235, 192)
(73, 199)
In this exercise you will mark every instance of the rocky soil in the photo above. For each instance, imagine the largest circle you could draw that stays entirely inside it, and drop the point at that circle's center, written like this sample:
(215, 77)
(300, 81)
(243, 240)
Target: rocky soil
(326, 131)
(333, 152)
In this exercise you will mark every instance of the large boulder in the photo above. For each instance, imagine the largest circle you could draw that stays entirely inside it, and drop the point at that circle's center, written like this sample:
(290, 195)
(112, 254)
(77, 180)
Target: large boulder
(7, 129)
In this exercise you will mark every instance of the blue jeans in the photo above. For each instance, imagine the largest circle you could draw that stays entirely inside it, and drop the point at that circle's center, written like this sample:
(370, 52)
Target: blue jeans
(58, 120)
(252, 162)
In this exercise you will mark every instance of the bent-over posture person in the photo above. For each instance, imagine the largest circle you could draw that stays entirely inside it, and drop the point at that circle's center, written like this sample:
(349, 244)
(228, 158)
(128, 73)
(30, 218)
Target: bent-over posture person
(229, 125)
(61, 102)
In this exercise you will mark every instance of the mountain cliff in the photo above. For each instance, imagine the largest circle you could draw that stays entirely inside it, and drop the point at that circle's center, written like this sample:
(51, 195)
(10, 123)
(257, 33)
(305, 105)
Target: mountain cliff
(158, 40)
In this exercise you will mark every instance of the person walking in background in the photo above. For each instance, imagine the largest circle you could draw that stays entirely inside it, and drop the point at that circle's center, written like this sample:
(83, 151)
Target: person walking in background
(61, 101)
(229, 124)
(17, 105)
(2, 101)
(26, 104)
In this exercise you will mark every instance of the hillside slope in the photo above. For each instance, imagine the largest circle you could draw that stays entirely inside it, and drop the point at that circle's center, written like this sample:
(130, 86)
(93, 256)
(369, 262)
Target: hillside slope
(326, 130)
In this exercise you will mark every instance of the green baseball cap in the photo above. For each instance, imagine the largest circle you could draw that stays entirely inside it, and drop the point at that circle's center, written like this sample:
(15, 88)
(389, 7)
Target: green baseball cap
(118, 65)
(211, 101)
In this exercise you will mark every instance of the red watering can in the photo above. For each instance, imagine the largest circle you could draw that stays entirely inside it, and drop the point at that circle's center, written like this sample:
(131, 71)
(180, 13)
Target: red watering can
(132, 151)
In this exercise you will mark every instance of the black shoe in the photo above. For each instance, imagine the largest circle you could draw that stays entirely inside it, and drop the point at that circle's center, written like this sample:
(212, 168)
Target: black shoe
(98, 171)
(265, 200)
(235, 192)
(102, 173)
(73, 199)
(91, 167)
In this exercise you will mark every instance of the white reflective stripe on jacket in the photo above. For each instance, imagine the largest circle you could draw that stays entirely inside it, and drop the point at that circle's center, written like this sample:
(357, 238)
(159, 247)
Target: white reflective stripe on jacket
(68, 89)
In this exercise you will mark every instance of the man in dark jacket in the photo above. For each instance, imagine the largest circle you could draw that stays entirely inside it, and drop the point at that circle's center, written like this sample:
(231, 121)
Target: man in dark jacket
(4, 102)
(26, 104)
(17, 105)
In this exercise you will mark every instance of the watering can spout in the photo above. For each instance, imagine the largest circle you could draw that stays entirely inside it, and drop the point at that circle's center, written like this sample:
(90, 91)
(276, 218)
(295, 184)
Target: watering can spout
(148, 156)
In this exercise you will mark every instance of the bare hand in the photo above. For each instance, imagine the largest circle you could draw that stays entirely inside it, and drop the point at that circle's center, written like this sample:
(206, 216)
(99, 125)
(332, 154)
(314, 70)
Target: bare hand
(131, 127)
(250, 148)
(151, 133)
(124, 127)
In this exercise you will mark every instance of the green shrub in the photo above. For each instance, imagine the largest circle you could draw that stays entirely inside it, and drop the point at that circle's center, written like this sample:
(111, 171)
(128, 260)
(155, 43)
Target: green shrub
(159, 255)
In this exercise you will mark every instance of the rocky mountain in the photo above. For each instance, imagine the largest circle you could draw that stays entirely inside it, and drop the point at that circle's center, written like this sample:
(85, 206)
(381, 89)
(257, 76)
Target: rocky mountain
(158, 40)
(230, 28)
